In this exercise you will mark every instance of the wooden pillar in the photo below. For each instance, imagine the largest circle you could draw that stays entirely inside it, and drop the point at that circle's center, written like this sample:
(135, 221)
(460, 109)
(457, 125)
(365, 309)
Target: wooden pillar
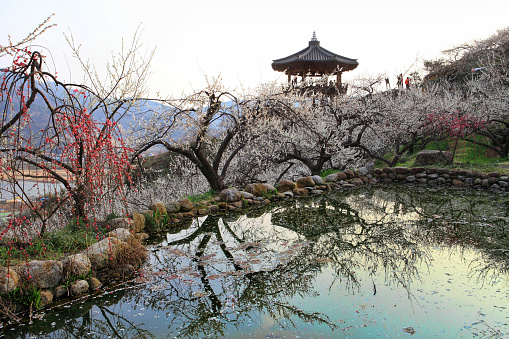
(338, 79)
(289, 78)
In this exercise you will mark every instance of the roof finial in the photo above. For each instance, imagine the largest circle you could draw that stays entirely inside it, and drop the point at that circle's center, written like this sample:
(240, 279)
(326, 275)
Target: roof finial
(314, 36)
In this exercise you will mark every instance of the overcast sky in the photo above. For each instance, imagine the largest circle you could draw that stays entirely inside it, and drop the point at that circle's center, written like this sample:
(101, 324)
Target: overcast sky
(239, 39)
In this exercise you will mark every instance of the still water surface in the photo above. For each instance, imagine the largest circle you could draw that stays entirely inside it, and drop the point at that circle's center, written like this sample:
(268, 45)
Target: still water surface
(374, 262)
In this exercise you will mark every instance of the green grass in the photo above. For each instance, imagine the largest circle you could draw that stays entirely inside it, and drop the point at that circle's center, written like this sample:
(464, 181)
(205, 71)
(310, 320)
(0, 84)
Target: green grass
(468, 156)
(327, 172)
(200, 197)
(75, 237)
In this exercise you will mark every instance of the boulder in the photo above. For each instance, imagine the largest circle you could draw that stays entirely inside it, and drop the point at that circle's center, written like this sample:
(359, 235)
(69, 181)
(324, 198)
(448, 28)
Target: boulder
(60, 291)
(186, 205)
(173, 207)
(120, 233)
(370, 166)
(284, 185)
(78, 287)
(349, 173)
(257, 190)
(363, 171)
(121, 222)
(159, 207)
(269, 187)
(317, 179)
(230, 195)
(431, 157)
(101, 252)
(46, 298)
(44, 274)
(9, 279)
(305, 182)
(246, 195)
(332, 177)
(94, 283)
(77, 264)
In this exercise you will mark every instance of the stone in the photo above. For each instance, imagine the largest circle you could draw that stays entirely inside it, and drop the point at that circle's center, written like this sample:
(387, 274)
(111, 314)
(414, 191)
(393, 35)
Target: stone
(284, 185)
(9, 280)
(44, 274)
(173, 207)
(60, 291)
(485, 183)
(79, 287)
(433, 176)
(305, 181)
(269, 187)
(421, 175)
(94, 283)
(46, 298)
(416, 170)
(357, 181)
(246, 195)
(121, 222)
(477, 181)
(401, 170)
(120, 233)
(370, 166)
(422, 181)
(494, 174)
(316, 192)
(237, 204)
(186, 205)
(456, 182)
(158, 207)
(101, 252)
(342, 176)
(378, 171)
(300, 191)
(388, 170)
(495, 186)
(431, 157)
(202, 211)
(230, 195)
(410, 178)
(190, 214)
(349, 173)
(469, 181)
(441, 180)
(139, 222)
(281, 196)
(317, 179)
(257, 189)
(77, 264)
(503, 183)
(363, 171)
(331, 177)
(213, 208)
(289, 194)
(348, 186)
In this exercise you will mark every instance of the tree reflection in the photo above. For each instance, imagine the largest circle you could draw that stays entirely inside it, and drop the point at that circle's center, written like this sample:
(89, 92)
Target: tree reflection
(227, 272)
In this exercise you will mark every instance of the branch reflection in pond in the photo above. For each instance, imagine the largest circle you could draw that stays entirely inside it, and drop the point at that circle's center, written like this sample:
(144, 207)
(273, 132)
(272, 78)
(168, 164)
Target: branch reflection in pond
(220, 274)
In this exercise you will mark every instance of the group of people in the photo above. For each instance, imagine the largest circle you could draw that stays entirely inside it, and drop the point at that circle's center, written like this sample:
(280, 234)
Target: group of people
(399, 82)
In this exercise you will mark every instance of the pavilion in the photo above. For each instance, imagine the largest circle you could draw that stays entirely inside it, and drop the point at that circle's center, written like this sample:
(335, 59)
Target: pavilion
(314, 61)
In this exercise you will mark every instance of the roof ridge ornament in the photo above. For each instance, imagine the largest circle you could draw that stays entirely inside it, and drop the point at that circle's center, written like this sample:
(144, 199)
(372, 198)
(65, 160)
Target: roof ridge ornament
(314, 36)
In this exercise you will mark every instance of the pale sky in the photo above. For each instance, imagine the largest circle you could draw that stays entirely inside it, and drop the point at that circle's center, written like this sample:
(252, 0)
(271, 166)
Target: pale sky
(239, 39)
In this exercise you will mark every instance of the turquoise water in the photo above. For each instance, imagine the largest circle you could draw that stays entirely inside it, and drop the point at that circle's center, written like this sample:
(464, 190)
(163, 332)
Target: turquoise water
(376, 262)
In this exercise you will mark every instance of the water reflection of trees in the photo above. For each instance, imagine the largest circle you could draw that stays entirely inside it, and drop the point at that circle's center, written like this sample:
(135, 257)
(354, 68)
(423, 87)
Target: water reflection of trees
(227, 272)
(457, 220)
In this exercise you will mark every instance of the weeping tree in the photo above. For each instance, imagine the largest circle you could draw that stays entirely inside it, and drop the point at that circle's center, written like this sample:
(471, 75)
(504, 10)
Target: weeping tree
(68, 133)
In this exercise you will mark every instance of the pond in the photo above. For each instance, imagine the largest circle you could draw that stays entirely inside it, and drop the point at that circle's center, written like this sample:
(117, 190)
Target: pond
(383, 261)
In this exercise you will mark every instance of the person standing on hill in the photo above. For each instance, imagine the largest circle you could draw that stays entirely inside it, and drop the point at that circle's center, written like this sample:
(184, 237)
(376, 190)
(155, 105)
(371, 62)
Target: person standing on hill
(407, 83)
(400, 80)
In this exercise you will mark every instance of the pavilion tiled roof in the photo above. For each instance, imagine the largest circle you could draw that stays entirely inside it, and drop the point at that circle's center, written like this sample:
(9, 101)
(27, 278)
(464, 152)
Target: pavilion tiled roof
(314, 58)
